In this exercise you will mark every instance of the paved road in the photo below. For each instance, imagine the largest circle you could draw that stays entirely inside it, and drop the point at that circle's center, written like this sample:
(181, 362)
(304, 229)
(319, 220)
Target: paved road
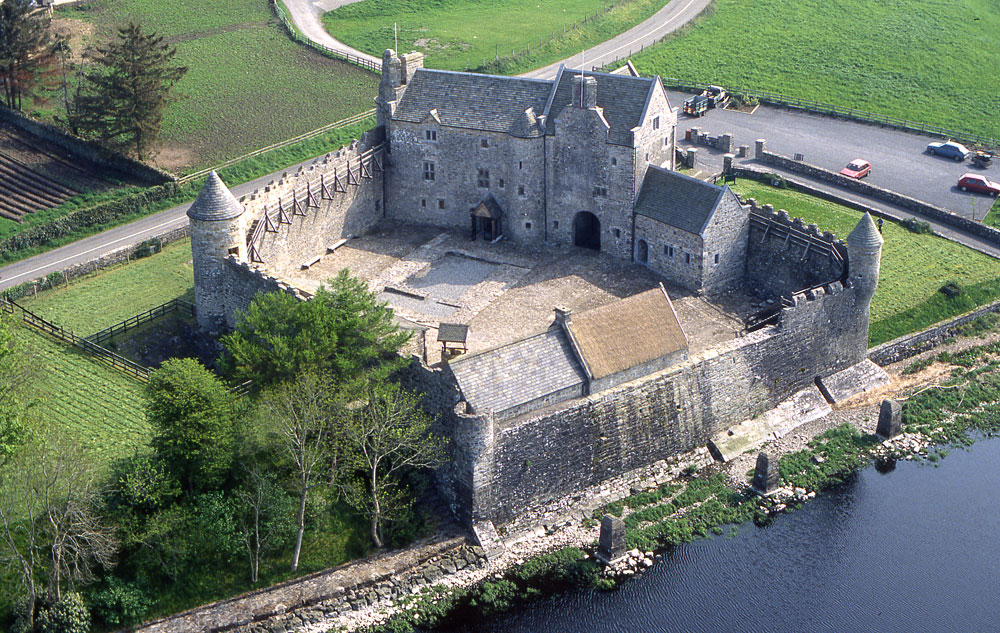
(899, 160)
(307, 16)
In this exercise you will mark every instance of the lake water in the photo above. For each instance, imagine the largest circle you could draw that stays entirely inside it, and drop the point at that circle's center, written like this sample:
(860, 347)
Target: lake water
(913, 549)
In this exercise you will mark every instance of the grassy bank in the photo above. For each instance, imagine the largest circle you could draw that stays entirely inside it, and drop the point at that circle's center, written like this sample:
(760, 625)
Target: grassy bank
(914, 267)
(247, 86)
(906, 58)
(460, 34)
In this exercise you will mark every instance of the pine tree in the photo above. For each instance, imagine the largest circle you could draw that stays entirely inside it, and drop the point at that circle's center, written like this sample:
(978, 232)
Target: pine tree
(125, 95)
(28, 60)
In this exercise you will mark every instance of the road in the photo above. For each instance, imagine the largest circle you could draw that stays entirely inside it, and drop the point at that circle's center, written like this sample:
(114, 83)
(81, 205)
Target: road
(307, 15)
(899, 160)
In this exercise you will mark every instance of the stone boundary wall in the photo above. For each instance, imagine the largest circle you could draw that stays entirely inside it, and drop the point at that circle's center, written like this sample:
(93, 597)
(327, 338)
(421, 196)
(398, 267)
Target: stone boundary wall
(722, 142)
(243, 282)
(87, 149)
(864, 188)
(537, 458)
(784, 255)
(324, 595)
(912, 344)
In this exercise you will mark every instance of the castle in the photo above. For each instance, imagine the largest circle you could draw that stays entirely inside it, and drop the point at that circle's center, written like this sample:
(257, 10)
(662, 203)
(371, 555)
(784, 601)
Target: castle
(579, 162)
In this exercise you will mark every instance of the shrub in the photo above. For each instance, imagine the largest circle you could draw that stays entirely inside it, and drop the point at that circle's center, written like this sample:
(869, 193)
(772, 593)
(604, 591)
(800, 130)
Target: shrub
(69, 615)
(952, 289)
(121, 603)
(916, 226)
(918, 365)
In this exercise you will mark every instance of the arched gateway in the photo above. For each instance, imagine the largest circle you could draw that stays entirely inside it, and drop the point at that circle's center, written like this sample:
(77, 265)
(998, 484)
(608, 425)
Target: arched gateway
(587, 230)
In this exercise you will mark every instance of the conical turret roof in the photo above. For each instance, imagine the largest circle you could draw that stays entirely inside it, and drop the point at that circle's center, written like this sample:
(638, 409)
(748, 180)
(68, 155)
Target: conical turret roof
(865, 234)
(215, 202)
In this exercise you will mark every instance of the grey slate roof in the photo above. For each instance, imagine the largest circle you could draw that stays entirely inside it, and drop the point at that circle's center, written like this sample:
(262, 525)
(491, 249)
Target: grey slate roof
(622, 97)
(865, 234)
(215, 202)
(480, 102)
(678, 200)
(514, 374)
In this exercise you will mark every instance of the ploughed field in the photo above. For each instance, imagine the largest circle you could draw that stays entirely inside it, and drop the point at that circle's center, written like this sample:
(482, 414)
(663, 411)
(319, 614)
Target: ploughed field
(247, 86)
(473, 34)
(932, 61)
(914, 266)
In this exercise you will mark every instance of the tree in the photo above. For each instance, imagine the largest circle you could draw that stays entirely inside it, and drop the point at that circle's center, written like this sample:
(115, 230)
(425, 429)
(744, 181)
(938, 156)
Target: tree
(192, 413)
(386, 435)
(122, 100)
(28, 59)
(265, 517)
(342, 332)
(303, 416)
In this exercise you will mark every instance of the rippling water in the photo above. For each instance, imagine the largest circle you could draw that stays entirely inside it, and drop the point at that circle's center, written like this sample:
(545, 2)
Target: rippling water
(914, 549)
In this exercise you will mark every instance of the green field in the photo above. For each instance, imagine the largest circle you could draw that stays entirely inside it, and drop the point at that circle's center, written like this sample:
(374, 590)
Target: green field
(460, 34)
(248, 85)
(914, 267)
(932, 61)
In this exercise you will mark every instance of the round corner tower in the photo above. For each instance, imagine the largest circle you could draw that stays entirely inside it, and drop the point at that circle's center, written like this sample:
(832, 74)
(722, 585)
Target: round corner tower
(217, 231)
(864, 255)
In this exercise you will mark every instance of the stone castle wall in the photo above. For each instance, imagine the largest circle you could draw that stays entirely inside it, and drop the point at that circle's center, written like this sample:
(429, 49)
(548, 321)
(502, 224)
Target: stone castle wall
(241, 282)
(537, 458)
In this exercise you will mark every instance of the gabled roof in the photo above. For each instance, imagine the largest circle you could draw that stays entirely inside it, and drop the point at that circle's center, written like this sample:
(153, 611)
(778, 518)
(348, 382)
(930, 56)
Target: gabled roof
(626, 333)
(490, 103)
(622, 97)
(215, 202)
(488, 207)
(678, 200)
(505, 377)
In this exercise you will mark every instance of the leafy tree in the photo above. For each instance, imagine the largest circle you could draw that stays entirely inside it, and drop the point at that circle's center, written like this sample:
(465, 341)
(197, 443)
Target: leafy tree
(265, 519)
(122, 100)
(386, 436)
(192, 413)
(28, 59)
(304, 420)
(120, 603)
(67, 615)
(343, 332)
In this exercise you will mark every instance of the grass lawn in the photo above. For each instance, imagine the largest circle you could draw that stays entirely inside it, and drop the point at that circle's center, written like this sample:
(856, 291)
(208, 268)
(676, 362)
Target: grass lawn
(460, 34)
(931, 61)
(247, 86)
(914, 267)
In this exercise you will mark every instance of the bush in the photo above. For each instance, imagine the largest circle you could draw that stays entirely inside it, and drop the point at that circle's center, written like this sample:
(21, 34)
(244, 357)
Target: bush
(916, 226)
(121, 603)
(69, 615)
(147, 248)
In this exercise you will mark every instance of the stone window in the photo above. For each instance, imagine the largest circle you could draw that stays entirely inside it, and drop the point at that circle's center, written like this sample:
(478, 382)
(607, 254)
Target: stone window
(555, 224)
(687, 258)
(234, 250)
(618, 233)
(527, 225)
(647, 157)
(666, 140)
(520, 190)
(428, 170)
(520, 164)
(501, 183)
(423, 203)
(378, 205)
(441, 206)
(431, 135)
(483, 178)
(716, 258)
(601, 192)
(614, 161)
(656, 123)
(484, 142)
(668, 250)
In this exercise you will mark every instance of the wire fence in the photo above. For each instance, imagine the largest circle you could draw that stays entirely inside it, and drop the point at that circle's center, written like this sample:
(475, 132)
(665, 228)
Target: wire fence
(347, 56)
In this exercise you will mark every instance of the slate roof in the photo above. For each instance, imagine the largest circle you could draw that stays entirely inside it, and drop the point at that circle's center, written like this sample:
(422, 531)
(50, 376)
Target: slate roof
(520, 372)
(626, 333)
(865, 234)
(678, 200)
(480, 102)
(493, 208)
(622, 97)
(215, 202)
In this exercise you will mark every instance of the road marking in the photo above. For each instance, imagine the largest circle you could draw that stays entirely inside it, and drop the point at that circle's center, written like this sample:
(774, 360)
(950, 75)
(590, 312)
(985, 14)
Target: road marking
(104, 245)
(642, 37)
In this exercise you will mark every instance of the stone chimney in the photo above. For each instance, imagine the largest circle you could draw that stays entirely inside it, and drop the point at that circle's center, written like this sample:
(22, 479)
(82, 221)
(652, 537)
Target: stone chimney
(411, 62)
(562, 315)
(584, 91)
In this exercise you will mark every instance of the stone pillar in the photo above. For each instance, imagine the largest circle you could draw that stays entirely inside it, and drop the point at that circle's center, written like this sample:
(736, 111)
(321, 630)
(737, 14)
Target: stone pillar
(765, 475)
(758, 151)
(695, 134)
(743, 151)
(611, 546)
(727, 163)
(692, 157)
(889, 420)
(726, 142)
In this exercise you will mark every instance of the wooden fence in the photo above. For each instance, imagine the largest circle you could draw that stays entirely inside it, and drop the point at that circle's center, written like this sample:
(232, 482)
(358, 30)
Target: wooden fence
(174, 305)
(351, 58)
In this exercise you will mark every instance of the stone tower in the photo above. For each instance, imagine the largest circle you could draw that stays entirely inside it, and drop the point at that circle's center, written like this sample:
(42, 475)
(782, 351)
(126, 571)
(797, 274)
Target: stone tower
(392, 80)
(217, 231)
(864, 255)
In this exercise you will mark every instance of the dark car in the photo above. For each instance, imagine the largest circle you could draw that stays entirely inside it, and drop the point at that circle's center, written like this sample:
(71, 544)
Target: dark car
(979, 184)
(951, 149)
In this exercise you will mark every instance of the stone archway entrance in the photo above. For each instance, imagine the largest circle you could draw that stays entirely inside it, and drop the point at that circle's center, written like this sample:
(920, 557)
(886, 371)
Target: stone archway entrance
(587, 230)
(642, 252)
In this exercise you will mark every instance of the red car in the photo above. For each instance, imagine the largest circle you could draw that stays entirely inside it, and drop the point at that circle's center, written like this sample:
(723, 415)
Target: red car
(857, 168)
(979, 184)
